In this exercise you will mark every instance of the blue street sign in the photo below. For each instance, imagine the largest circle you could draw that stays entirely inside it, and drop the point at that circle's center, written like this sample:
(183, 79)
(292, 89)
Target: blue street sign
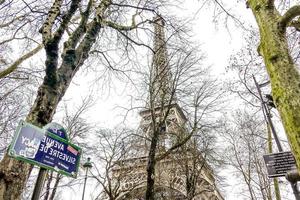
(56, 129)
(37, 146)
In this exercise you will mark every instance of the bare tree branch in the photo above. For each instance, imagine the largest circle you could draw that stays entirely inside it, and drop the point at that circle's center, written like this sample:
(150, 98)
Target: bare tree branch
(46, 29)
(288, 16)
(15, 65)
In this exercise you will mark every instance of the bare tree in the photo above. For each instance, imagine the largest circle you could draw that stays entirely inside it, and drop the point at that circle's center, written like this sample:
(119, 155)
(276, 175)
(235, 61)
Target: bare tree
(281, 68)
(110, 148)
(197, 160)
(67, 48)
(247, 142)
(77, 129)
(175, 75)
(275, 20)
(245, 64)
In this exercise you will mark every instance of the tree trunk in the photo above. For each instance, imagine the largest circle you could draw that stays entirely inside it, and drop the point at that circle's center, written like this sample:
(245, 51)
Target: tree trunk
(151, 167)
(13, 173)
(12, 178)
(191, 187)
(57, 180)
(284, 77)
(191, 179)
(48, 185)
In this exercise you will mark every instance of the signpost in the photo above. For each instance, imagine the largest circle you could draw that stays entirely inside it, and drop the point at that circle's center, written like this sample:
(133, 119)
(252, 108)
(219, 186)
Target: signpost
(48, 148)
(45, 149)
(279, 164)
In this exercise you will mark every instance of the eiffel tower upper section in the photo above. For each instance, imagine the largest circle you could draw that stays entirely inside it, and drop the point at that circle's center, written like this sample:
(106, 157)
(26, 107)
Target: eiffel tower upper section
(161, 102)
(161, 83)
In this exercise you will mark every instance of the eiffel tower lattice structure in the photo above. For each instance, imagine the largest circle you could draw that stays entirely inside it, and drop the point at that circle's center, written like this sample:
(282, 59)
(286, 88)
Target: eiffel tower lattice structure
(182, 174)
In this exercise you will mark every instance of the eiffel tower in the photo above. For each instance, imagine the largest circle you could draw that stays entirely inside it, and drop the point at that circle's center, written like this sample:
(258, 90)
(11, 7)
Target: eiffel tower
(181, 175)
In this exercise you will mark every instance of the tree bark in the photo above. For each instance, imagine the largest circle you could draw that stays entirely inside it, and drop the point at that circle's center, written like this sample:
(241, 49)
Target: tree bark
(151, 166)
(13, 173)
(57, 180)
(49, 180)
(284, 77)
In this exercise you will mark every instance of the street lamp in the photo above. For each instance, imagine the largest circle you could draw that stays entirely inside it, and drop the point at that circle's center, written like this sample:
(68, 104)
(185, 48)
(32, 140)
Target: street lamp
(87, 165)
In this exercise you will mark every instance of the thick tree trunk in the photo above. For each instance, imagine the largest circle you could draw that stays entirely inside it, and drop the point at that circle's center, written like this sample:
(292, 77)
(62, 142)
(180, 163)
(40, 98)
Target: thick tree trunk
(13, 173)
(12, 178)
(285, 79)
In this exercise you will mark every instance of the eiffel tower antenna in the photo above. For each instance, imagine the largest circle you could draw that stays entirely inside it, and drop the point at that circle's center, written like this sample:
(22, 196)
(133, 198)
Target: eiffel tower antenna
(161, 82)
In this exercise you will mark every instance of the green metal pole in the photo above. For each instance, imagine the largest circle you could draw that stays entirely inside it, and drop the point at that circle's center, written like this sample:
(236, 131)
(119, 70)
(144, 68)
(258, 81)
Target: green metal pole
(85, 178)
(87, 165)
(270, 149)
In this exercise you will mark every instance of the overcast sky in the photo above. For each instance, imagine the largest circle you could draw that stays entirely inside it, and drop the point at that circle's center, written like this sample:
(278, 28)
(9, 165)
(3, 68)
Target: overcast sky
(218, 42)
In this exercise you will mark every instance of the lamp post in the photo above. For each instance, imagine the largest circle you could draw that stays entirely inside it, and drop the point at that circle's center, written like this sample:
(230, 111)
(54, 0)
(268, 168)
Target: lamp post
(87, 165)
